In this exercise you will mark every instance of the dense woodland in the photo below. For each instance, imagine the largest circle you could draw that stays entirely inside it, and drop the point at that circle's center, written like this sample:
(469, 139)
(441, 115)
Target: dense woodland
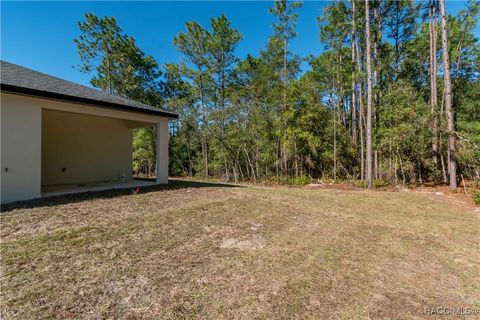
(393, 98)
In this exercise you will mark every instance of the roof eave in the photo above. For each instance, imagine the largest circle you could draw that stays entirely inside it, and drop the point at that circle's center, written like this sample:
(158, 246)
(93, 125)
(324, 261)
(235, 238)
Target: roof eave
(8, 88)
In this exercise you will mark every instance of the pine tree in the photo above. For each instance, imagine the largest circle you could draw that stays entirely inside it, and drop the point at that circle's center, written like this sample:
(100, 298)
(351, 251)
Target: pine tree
(193, 44)
(449, 108)
(369, 95)
(354, 85)
(284, 28)
(98, 46)
(120, 67)
(432, 24)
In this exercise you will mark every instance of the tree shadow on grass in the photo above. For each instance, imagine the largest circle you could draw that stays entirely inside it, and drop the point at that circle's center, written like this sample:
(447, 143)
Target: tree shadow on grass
(173, 184)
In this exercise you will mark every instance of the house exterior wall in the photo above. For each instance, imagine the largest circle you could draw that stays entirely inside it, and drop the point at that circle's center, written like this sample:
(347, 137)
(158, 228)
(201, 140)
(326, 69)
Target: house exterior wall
(78, 148)
(20, 148)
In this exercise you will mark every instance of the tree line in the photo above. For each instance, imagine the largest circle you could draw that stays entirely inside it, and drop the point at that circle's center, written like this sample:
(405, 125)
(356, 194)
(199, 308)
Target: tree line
(393, 98)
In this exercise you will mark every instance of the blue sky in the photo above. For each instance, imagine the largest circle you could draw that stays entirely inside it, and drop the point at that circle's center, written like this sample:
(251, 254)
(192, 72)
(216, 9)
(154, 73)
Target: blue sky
(39, 35)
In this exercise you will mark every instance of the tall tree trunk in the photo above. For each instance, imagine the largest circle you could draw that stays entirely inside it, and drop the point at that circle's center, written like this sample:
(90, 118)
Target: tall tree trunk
(223, 88)
(203, 133)
(256, 163)
(401, 167)
(369, 95)
(361, 123)
(284, 98)
(361, 114)
(361, 126)
(283, 160)
(340, 92)
(235, 175)
(353, 106)
(109, 69)
(377, 69)
(440, 139)
(354, 87)
(396, 38)
(227, 176)
(277, 154)
(377, 36)
(334, 145)
(452, 163)
(250, 164)
(295, 156)
(433, 79)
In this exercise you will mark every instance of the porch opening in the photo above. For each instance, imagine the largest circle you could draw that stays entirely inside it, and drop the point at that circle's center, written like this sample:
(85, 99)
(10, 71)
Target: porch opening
(144, 152)
(83, 152)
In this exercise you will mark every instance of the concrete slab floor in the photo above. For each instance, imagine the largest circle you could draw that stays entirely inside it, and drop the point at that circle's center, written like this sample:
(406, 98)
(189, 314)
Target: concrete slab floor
(59, 190)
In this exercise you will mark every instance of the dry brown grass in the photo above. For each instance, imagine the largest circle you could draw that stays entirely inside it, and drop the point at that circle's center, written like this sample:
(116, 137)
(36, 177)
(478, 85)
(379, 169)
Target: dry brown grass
(240, 253)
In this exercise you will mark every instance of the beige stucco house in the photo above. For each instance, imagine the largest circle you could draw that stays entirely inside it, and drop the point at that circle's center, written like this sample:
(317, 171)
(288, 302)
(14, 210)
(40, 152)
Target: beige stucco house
(58, 136)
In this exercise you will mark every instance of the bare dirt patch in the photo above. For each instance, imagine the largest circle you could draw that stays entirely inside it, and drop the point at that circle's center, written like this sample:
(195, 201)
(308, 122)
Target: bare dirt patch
(253, 242)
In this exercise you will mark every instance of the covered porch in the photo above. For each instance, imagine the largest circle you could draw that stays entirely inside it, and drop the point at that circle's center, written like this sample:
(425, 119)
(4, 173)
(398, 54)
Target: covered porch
(59, 136)
(86, 152)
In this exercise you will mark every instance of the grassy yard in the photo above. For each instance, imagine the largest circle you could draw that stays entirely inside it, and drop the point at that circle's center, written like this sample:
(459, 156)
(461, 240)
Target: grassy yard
(210, 251)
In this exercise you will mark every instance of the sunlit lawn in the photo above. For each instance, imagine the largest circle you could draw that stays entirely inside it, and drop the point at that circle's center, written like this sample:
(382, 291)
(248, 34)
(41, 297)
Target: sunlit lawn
(239, 252)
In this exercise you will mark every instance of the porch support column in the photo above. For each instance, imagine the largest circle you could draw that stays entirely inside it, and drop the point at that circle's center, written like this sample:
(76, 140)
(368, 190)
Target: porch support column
(162, 151)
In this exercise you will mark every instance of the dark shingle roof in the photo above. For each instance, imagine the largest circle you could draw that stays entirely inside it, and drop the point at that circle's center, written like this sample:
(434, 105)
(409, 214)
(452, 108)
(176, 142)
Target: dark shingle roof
(20, 80)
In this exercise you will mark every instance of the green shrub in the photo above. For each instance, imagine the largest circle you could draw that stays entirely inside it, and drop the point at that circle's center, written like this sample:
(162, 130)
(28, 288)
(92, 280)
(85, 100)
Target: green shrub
(293, 181)
(301, 180)
(380, 183)
(476, 197)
